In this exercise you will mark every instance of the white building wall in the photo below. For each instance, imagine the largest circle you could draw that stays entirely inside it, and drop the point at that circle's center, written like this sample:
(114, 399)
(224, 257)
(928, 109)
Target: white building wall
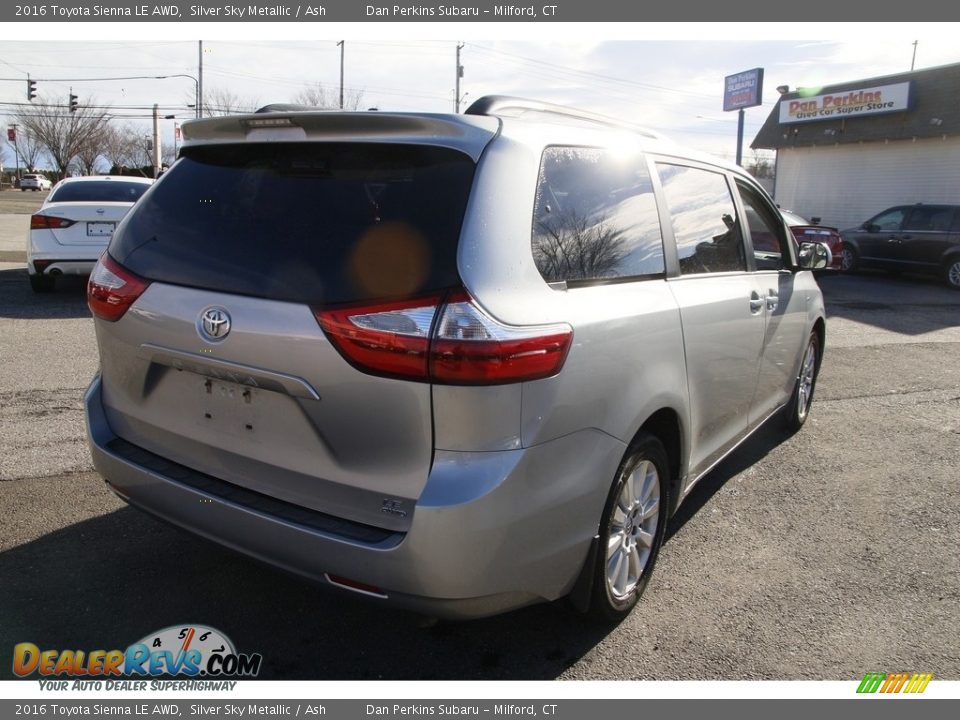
(847, 184)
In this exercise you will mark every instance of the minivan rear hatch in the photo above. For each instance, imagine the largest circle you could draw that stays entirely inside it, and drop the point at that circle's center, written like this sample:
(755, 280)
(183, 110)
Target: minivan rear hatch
(221, 364)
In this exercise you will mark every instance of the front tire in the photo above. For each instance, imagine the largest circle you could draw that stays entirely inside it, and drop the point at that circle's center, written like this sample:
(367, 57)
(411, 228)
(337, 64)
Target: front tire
(799, 406)
(951, 273)
(632, 529)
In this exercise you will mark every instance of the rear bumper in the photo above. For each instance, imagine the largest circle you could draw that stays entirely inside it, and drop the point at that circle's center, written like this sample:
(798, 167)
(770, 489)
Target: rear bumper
(64, 259)
(492, 531)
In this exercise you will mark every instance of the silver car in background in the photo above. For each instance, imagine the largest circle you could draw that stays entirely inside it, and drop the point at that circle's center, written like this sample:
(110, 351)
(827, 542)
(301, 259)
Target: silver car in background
(456, 363)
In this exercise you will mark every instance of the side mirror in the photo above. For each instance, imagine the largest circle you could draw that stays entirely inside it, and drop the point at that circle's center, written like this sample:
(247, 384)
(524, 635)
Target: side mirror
(870, 227)
(814, 256)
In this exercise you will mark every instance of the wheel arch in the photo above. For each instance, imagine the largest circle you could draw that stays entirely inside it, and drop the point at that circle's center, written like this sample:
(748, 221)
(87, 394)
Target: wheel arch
(665, 424)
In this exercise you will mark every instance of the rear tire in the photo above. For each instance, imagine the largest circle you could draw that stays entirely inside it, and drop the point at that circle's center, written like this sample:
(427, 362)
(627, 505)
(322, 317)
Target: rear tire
(951, 273)
(632, 529)
(849, 261)
(798, 408)
(42, 283)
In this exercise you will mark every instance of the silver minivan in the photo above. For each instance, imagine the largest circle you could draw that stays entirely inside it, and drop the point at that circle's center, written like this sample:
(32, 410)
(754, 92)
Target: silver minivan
(455, 363)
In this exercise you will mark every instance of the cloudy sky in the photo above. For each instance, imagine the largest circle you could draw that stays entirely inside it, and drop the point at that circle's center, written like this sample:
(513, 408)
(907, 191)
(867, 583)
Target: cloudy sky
(667, 77)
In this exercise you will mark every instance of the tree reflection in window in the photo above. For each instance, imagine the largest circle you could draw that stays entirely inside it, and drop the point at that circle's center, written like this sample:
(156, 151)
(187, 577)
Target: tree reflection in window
(595, 217)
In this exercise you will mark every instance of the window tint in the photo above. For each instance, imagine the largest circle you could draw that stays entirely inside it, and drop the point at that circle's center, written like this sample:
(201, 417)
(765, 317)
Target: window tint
(766, 230)
(704, 220)
(888, 221)
(313, 223)
(100, 191)
(936, 219)
(595, 217)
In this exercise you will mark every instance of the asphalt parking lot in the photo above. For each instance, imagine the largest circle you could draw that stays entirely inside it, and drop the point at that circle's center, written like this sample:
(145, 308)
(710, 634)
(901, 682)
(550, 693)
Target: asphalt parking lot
(820, 556)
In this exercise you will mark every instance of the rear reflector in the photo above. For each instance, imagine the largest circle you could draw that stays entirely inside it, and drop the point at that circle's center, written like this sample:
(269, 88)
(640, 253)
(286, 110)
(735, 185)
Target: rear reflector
(112, 289)
(447, 340)
(49, 222)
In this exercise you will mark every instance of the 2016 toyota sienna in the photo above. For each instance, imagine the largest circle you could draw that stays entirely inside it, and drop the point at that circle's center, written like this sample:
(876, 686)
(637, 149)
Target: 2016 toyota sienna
(457, 363)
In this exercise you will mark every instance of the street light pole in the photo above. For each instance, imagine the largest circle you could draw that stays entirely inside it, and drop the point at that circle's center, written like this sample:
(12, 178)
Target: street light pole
(156, 141)
(200, 83)
(197, 87)
(341, 73)
(456, 90)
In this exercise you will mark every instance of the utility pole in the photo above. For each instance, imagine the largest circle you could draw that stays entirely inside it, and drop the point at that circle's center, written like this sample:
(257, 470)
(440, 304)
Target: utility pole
(200, 83)
(914, 58)
(156, 140)
(341, 73)
(456, 91)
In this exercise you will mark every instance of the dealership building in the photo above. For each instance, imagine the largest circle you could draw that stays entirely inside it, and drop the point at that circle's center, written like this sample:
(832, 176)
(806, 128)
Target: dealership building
(847, 151)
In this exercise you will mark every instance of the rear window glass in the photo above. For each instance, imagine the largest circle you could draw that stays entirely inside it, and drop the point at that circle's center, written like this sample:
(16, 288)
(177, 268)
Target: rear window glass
(100, 191)
(317, 223)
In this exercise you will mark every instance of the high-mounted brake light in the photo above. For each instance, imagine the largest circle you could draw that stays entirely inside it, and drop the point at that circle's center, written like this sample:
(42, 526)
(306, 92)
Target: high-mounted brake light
(447, 340)
(112, 289)
(49, 222)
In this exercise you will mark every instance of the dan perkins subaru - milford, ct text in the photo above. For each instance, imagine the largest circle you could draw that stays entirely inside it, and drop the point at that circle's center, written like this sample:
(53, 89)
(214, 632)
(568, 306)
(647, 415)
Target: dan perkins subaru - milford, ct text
(460, 11)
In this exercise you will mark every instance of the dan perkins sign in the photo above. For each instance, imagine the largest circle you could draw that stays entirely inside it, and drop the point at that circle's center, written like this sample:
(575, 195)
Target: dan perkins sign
(849, 103)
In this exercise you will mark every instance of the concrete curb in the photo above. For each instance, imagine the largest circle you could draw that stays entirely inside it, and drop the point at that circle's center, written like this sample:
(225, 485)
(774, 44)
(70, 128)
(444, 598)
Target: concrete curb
(19, 256)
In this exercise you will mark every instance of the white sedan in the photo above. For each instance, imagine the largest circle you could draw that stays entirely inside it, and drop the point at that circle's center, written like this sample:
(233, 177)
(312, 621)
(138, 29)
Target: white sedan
(73, 226)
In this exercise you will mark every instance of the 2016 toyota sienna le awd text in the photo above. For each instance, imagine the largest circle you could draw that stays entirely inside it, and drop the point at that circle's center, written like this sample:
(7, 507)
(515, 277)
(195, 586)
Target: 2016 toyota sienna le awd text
(457, 363)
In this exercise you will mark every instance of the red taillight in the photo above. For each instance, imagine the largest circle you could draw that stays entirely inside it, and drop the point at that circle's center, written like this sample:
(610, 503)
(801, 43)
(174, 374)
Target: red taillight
(449, 342)
(49, 222)
(112, 289)
(387, 339)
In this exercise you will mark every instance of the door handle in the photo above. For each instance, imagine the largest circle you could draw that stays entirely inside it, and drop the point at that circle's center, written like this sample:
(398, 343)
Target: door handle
(893, 239)
(756, 302)
(773, 299)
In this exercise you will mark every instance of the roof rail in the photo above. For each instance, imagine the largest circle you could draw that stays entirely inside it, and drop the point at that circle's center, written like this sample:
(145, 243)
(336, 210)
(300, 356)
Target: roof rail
(497, 104)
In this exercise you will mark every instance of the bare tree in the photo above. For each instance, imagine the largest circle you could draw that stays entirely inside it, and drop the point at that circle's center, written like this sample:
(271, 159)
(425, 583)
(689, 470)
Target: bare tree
(116, 145)
(319, 95)
(62, 133)
(86, 161)
(761, 166)
(569, 246)
(27, 149)
(221, 101)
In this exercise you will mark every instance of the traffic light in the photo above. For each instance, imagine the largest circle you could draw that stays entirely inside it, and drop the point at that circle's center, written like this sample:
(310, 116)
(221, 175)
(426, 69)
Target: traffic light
(73, 102)
(31, 90)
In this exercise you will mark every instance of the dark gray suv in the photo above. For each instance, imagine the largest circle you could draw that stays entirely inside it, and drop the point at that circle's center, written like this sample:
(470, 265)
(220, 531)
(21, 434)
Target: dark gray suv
(912, 238)
(458, 363)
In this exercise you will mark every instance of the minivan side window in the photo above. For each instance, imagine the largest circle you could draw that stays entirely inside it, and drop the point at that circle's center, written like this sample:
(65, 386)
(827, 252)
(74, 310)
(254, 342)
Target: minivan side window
(704, 220)
(889, 221)
(930, 219)
(595, 218)
(766, 230)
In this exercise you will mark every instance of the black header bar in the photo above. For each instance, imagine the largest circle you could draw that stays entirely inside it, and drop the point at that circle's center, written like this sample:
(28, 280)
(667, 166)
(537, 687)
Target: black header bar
(487, 11)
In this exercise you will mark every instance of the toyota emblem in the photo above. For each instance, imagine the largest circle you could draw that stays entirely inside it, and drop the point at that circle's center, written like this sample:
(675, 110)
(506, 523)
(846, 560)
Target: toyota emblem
(214, 324)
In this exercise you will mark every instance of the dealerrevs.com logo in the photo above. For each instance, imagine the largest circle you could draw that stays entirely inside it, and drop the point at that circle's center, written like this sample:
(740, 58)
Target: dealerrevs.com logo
(179, 650)
(909, 683)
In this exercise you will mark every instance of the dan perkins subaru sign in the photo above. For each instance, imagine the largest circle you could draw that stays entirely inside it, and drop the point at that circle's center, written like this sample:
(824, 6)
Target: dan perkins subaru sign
(848, 103)
(743, 90)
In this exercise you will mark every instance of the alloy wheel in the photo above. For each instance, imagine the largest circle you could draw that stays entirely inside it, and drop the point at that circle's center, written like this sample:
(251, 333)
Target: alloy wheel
(633, 528)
